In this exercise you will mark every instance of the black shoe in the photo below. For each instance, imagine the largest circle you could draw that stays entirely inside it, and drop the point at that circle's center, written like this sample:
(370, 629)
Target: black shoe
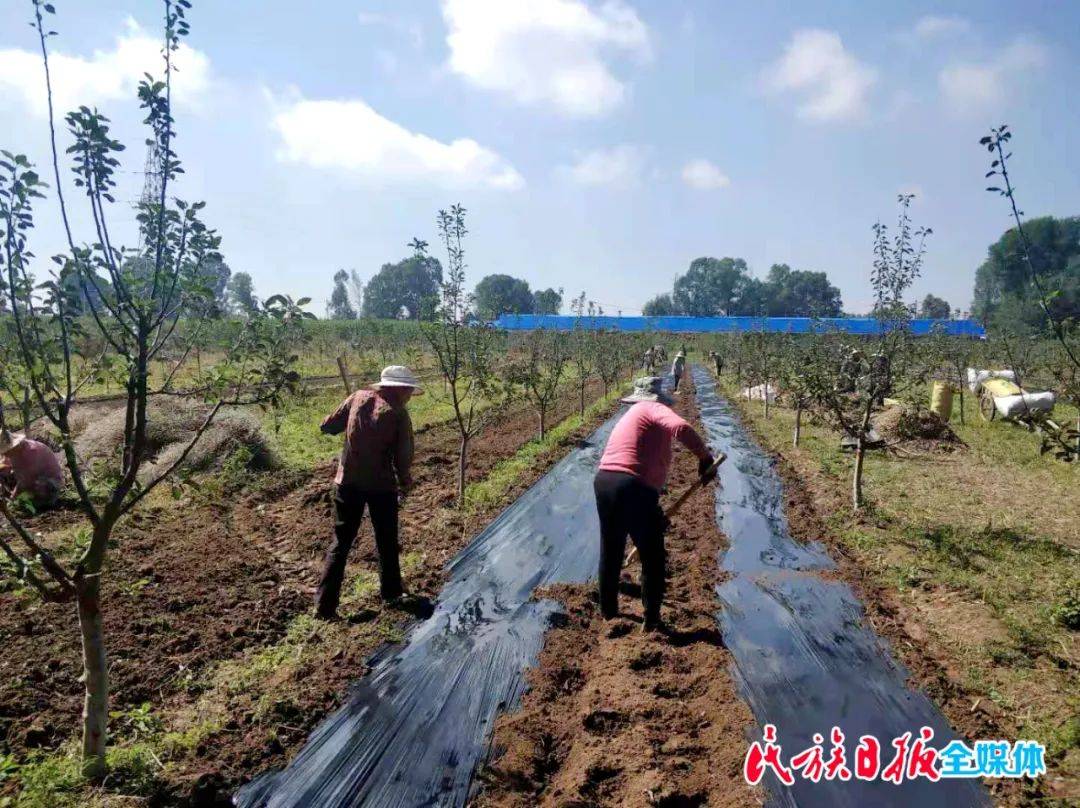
(328, 616)
(654, 627)
(416, 605)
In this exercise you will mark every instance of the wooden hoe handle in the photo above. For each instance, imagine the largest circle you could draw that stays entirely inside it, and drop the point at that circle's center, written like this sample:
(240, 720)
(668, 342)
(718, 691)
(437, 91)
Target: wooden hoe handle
(689, 492)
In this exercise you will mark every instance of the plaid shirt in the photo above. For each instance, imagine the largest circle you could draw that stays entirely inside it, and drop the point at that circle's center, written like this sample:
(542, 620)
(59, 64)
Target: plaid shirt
(378, 450)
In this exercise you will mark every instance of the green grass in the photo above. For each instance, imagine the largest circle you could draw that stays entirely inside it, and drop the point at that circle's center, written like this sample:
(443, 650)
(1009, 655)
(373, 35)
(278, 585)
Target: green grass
(984, 542)
(504, 475)
(295, 428)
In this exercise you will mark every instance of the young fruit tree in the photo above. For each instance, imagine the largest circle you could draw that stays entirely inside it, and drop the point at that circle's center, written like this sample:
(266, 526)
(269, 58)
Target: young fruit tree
(791, 361)
(134, 300)
(1065, 331)
(540, 371)
(583, 356)
(465, 351)
(848, 378)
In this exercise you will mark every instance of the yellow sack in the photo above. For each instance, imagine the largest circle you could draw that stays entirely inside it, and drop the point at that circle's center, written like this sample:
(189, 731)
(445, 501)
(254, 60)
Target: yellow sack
(941, 400)
(1001, 387)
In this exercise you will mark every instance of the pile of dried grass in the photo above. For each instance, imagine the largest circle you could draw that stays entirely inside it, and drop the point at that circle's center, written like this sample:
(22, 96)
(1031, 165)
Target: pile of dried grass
(171, 422)
(907, 424)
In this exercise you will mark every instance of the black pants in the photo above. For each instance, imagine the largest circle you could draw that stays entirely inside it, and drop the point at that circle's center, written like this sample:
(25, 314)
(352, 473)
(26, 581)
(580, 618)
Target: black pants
(349, 506)
(627, 505)
(678, 377)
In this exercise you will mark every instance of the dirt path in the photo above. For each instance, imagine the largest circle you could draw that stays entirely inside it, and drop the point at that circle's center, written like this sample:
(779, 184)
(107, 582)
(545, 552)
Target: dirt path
(614, 717)
(219, 577)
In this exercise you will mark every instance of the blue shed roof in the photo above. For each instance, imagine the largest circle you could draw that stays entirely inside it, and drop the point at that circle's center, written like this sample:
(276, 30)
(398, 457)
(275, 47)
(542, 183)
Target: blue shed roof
(677, 324)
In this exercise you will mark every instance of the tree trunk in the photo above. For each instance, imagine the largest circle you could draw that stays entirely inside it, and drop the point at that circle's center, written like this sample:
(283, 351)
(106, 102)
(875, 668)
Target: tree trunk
(95, 674)
(960, 387)
(543, 423)
(462, 465)
(766, 398)
(798, 425)
(581, 402)
(856, 481)
(344, 371)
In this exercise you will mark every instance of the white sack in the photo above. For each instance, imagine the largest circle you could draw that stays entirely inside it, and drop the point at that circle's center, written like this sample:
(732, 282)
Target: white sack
(758, 392)
(976, 377)
(1023, 403)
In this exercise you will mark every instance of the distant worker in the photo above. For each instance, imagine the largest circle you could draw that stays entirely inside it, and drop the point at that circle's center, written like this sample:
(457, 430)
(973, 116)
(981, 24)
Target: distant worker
(678, 367)
(633, 470)
(718, 362)
(29, 468)
(648, 360)
(373, 471)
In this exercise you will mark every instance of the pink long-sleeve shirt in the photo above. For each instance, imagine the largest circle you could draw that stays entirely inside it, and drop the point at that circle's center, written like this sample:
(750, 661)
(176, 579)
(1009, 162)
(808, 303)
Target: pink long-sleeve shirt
(640, 444)
(36, 470)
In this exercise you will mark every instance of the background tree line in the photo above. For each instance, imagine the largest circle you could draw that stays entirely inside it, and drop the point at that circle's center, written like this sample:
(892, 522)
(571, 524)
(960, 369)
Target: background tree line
(724, 286)
(1005, 296)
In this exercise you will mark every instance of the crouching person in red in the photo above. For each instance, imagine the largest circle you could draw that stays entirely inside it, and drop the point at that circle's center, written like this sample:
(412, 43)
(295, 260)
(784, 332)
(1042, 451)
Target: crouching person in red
(373, 472)
(29, 469)
(633, 471)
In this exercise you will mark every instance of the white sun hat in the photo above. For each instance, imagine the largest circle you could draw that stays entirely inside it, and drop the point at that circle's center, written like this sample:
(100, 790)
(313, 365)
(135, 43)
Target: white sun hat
(399, 376)
(9, 441)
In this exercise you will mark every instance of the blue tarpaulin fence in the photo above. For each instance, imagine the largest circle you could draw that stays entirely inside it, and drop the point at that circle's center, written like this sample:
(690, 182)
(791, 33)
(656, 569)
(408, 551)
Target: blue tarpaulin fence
(783, 325)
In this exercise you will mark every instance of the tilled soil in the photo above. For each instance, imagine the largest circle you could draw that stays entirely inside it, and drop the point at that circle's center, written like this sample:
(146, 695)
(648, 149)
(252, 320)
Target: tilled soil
(621, 718)
(213, 578)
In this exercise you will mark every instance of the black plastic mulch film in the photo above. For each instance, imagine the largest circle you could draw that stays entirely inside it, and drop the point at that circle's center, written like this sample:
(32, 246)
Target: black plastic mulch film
(805, 658)
(413, 731)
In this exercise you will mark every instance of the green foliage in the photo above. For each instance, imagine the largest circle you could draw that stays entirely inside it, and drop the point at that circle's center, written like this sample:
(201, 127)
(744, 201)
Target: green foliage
(466, 353)
(139, 296)
(547, 301)
(659, 306)
(241, 294)
(725, 286)
(502, 294)
(339, 307)
(1004, 293)
(490, 491)
(1067, 612)
(934, 308)
(539, 371)
(408, 289)
(712, 287)
(791, 292)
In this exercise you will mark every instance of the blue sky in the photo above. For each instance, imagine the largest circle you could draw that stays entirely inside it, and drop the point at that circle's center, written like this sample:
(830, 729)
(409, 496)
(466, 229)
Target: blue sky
(598, 146)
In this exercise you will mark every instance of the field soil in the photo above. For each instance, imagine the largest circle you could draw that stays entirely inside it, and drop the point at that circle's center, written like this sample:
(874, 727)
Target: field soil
(213, 584)
(615, 717)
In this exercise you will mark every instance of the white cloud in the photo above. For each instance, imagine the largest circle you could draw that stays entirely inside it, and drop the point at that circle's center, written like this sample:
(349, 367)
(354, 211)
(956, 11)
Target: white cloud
(105, 76)
(545, 52)
(351, 136)
(704, 176)
(617, 166)
(934, 25)
(975, 86)
(833, 85)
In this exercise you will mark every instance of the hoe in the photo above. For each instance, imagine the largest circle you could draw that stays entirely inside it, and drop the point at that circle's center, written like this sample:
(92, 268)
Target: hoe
(685, 495)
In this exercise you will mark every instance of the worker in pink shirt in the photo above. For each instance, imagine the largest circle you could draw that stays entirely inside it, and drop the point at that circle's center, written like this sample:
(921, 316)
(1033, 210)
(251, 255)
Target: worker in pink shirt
(29, 468)
(633, 471)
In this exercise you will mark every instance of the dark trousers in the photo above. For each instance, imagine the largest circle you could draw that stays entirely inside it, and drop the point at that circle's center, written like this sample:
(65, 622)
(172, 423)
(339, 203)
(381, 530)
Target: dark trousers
(349, 504)
(678, 378)
(628, 506)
